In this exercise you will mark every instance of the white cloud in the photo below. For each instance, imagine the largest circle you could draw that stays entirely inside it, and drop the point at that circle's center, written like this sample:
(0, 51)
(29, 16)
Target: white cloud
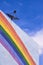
(38, 37)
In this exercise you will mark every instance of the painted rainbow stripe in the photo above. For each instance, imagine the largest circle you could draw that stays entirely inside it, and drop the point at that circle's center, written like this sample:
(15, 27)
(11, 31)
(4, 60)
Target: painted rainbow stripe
(5, 35)
(11, 51)
(18, 49)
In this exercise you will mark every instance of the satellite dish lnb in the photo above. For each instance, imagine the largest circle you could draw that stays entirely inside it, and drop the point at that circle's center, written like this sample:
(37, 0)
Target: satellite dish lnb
(14, 11)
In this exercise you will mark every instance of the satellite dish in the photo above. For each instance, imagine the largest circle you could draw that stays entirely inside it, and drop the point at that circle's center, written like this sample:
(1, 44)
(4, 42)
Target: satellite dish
(12, 16)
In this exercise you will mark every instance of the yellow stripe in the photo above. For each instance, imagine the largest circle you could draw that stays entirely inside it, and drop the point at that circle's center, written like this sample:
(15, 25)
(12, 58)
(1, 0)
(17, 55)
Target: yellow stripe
(8, 31)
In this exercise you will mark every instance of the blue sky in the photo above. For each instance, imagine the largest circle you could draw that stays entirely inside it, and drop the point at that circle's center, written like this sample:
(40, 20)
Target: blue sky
(30, 13)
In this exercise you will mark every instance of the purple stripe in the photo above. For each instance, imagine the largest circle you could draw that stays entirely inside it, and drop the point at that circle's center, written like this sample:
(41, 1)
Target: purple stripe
(8, 47)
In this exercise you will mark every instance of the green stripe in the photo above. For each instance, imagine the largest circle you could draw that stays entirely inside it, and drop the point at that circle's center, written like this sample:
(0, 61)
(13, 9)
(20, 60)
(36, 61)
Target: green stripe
(1, 28)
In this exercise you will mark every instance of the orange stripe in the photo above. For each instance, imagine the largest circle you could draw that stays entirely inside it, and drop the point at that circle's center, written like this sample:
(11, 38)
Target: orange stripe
(12, 31)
